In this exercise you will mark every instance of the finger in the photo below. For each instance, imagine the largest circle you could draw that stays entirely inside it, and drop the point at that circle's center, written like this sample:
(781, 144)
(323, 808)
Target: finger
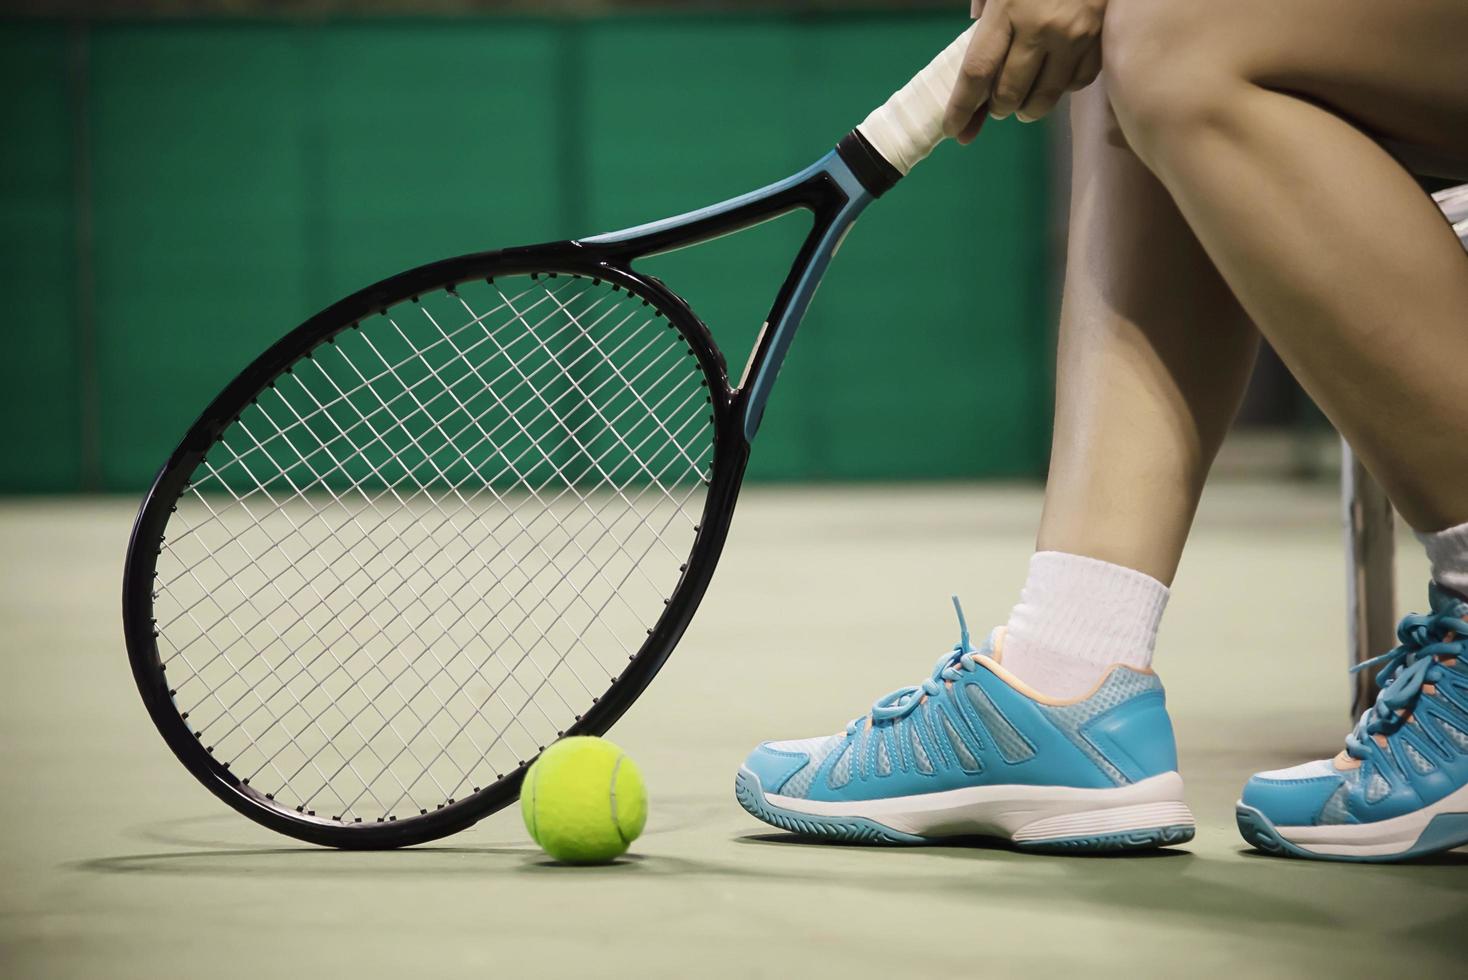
(971, 131)
(1049, 86)
(981, 63)
(1021, 65)
(1087, 68)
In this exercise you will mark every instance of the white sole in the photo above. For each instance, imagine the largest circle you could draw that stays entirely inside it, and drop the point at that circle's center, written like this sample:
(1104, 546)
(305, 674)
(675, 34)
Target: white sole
(1381, 838)
(1023, 814)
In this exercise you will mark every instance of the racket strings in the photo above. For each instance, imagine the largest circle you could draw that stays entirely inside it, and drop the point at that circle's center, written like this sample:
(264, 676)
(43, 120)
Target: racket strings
(370, 502)
(321, 477)
(428, 548)
(527, 614)
(318, 478)
(387, 598)
(323, 409)
(507, 518)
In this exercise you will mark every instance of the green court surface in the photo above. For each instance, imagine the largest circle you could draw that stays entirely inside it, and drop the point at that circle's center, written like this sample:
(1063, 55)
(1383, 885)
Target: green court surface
(116, 864)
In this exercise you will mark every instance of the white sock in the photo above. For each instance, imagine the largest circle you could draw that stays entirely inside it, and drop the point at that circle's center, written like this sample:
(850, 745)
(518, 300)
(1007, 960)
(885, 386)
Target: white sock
(1448, 552)
(1076, 617)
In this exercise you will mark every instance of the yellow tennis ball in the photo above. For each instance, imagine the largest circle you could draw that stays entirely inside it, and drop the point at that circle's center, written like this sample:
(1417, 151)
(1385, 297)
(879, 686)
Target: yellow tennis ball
(583, 801)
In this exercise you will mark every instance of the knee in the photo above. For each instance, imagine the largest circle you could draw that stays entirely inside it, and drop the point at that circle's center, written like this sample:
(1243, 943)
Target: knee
(1167, 70)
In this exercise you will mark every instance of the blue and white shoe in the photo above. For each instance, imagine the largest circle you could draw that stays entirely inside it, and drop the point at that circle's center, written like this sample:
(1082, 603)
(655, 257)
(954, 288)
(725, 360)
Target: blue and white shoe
(972, 752)
(1400, 788)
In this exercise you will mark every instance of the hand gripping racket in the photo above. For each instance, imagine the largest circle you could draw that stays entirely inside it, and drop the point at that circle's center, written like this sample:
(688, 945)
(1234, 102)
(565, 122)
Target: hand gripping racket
(464, 512)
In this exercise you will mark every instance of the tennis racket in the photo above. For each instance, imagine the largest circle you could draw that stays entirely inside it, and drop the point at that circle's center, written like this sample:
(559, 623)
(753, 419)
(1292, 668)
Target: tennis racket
(464, 512)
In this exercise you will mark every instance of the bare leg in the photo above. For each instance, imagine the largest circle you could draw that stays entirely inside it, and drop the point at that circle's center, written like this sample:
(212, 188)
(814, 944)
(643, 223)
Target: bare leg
(1253, 114)
(1154, 356)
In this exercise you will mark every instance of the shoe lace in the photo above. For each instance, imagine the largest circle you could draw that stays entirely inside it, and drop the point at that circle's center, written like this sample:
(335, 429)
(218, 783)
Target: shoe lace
(1424, 642)
(949, 667)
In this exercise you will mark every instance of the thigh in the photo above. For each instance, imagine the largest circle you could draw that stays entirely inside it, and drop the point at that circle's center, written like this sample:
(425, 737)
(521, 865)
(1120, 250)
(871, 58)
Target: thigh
(1396, 68)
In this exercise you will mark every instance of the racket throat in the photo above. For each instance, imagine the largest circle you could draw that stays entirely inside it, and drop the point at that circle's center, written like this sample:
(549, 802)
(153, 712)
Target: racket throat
(778, 331)
(759, 341)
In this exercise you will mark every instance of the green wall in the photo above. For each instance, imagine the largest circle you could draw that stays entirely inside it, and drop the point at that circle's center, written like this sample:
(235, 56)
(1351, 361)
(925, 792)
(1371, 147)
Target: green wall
(41, 369)
(175, 195)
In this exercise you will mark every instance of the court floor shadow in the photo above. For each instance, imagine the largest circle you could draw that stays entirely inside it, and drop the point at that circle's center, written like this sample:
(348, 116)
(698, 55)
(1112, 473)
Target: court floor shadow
(1233, 891)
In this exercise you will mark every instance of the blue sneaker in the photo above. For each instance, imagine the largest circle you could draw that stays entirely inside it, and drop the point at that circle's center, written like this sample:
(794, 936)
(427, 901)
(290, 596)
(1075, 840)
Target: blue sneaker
(972, 752)
(1400, 788)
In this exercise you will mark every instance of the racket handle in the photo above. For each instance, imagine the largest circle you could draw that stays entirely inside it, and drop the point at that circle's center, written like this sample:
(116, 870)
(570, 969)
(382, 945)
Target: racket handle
(905, 128)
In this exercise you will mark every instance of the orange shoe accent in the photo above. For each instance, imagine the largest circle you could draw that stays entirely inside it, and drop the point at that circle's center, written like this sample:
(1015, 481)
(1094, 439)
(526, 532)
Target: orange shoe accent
(996, 668)
(1345, 762)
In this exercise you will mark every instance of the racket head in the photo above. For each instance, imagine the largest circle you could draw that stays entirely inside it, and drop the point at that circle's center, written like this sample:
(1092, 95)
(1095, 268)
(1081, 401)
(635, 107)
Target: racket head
(178, 595)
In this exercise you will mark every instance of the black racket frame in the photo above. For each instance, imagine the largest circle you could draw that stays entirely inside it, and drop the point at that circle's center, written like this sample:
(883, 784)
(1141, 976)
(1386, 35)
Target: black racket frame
(609, 261)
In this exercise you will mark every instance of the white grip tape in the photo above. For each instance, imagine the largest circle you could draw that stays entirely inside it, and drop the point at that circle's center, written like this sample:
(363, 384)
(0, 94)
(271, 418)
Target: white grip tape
(906, 127)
